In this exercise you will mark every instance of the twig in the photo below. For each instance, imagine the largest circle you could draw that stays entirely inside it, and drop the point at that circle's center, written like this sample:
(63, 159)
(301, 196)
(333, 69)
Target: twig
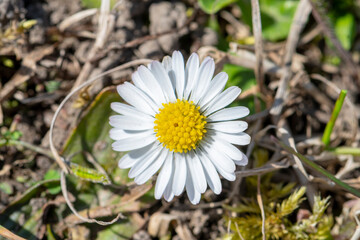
(238, 231)
(261, 206)
(356, 234)
(9, 235)
(285, 134)
(270, 167)
(256, 22)
(301, 16)
(105, 25)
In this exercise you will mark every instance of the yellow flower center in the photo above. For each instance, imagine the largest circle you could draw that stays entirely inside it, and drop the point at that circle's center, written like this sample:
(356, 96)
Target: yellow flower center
(179, 126)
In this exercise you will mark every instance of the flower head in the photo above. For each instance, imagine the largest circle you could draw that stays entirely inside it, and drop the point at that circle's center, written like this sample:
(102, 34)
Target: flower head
(176, 123)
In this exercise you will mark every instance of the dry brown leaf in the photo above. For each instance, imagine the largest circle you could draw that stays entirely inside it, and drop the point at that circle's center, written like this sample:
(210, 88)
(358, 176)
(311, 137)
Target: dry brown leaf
(159, 224)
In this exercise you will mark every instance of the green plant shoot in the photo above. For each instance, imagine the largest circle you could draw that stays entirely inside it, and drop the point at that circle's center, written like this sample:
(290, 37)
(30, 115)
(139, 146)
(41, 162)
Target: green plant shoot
(330, 125)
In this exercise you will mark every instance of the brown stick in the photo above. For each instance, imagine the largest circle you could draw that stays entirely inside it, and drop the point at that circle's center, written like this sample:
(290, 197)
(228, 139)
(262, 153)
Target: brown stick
(256, 22)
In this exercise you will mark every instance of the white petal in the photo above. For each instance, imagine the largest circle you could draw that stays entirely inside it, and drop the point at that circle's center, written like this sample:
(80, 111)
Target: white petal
(240, 138)
(164, 80)
(131, 158)
(138, 82)
(179, 71)
(164, 176)
(129, 111)
(152, 169)
(137, 98)
(204, 75)
(179, 175)
(228, 114)
(229, 175)
(212, 177)
(131, 123)
(119, 134)
(169, 193)
(152, 84)
(230, 150)
(216, 86)
(191, 192)
(229, 126)
(219, 157)
(197, 172)
(126, 162)
(243, 162)
(146, 161)
(167, 63)
(129, 144)
(192, 66)
(222, 100)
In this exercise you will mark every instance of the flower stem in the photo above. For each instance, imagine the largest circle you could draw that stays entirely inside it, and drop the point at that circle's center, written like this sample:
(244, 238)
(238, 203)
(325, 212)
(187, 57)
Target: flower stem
(330, 125)
(318, 168)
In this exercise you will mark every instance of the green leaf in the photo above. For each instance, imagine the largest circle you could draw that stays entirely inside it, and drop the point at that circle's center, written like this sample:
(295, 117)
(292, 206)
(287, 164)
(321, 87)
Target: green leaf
(345, 29)
(6, 188)
(53, 188)
(118, 231)
(240, 76)
(212, 6)
(95, 3)
(7, 62)
(245, 79)
(276, 17)
(52, 86)
(92, 136)
(25, 197)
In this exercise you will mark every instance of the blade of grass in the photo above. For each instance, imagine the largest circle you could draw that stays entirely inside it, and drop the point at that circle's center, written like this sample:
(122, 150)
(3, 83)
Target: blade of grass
(318, 168)
(330, 125)
(346, 151)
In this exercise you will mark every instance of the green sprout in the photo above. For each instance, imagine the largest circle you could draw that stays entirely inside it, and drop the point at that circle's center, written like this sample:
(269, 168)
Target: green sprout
(330, 125)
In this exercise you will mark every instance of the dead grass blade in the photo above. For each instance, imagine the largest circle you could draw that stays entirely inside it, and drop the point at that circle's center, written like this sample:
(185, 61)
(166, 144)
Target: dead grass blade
(256, 22)
(270, 167)
(105, 25)
(301, 16)
(76, 18)
(9, 235)
(261, 206)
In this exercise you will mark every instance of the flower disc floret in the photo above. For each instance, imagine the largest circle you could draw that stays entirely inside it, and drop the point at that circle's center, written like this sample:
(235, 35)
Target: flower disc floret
(179, 126)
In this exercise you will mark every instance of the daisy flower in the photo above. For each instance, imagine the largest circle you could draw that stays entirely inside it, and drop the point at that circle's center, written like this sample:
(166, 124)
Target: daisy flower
(176, 123)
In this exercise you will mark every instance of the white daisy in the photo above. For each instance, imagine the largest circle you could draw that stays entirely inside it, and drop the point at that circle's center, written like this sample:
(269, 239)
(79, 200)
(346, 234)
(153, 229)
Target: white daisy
(176, 123)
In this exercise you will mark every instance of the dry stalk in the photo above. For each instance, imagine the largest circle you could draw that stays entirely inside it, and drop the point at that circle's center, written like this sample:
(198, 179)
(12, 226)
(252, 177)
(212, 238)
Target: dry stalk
(301, 16)
(261, 206)
(256, 22)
